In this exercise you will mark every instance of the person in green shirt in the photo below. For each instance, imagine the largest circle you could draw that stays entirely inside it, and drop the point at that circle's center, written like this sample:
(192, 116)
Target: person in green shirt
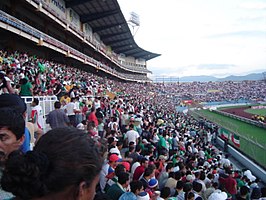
(162, 143)
(25, 87)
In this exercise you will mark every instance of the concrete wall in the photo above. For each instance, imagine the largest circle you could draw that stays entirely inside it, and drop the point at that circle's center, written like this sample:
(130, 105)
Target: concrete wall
(253, 167)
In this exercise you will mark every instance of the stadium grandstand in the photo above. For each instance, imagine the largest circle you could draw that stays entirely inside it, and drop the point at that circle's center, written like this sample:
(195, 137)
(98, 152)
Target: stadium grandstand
(92, 34)
(75, 64)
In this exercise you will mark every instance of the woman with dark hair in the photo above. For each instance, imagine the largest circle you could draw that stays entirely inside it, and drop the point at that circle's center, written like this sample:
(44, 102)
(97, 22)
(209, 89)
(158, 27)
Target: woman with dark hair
(64, 164)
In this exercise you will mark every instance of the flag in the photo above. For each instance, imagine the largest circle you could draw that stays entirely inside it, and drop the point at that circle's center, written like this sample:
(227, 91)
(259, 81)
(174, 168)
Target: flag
(235, 139)
(41, 67)
(225, 134)
(110, 95)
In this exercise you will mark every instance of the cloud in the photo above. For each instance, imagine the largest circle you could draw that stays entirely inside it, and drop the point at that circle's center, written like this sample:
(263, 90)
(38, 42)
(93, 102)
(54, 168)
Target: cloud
(215, 66)
(194, 70)
(254, 5)
(239, 34)
(252, 18)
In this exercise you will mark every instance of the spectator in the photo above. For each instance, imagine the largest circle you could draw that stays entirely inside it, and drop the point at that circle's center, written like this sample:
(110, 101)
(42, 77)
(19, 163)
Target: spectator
(70, 111)
(15, 102)
(132, 135)
(37, 114)
(57, 118)
(140, 169)
(12, 126)
(148, 174)
(165, 194)
(107, 171)
(5, 83)
(116, 190)
(26, 88)
(92, 117)
(48, 173)
(136, 187)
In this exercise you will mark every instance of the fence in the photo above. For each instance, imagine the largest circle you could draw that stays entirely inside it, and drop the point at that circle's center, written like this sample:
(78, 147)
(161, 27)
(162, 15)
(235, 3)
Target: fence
(46, 102)
(248, 145)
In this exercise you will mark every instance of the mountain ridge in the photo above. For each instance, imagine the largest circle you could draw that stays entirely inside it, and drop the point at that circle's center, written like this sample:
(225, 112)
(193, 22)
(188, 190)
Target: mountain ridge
(203, 78)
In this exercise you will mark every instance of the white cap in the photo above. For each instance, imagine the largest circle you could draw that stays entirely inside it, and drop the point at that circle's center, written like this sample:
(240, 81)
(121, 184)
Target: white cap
(218, 196)
(143, 196)
(145, 141)
(114, 150)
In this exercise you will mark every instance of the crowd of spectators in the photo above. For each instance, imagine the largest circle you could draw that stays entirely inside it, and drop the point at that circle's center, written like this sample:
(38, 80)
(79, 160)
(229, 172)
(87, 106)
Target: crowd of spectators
(152, 151)
(229, 91)
(45, 77)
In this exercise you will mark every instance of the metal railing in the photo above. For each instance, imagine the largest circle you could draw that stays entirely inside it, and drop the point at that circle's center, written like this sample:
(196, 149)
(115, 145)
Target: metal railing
(46, 102)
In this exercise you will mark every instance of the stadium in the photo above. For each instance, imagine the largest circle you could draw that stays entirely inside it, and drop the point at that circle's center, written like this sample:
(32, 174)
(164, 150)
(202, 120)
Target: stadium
(82, 56)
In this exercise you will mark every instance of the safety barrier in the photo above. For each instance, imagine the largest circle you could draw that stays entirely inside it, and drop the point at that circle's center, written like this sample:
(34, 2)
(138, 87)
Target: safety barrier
(46, 102)
(253, 167)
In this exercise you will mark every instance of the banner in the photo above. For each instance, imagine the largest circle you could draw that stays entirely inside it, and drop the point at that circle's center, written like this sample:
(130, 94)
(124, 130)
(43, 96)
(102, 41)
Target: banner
(73, 18)
(225, 134)
(87, 30)
(188, 101)
(57, 7)
(110, 95)
(236, 140)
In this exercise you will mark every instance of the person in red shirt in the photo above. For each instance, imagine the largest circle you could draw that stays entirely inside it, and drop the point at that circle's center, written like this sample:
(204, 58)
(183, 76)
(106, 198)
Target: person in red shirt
(230, 184)
(140, 169)
(92, 117)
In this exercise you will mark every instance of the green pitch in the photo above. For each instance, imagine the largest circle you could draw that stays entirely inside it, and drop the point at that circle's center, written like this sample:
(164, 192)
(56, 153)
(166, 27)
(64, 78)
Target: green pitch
(256, 111)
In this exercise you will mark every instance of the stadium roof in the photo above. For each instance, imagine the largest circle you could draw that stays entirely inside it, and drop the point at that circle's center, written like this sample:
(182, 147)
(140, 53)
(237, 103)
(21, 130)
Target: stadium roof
(106, 19)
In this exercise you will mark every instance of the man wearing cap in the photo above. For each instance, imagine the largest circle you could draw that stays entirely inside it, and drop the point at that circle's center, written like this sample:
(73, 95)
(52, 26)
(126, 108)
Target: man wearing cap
(112, 141)
(117, 149)
(218, 196)
(108, 169)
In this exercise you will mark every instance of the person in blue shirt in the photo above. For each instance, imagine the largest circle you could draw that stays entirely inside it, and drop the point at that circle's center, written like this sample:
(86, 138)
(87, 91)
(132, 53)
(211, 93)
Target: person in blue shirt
(136, 187)
(12, 131)
(15, 102)
(12, 136)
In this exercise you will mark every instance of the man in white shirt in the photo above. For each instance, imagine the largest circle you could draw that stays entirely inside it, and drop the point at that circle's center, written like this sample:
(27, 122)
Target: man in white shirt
(70, 111)
(37, 114)
(97, 103)
(132, 135)
(225, 161)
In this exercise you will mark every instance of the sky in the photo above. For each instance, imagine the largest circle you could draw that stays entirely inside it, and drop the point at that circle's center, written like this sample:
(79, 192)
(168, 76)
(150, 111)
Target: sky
(201, 37)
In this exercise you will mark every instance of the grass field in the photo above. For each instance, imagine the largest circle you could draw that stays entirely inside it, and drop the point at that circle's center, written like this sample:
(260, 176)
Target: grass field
(252, 138)
(256, 111)
(249, 110)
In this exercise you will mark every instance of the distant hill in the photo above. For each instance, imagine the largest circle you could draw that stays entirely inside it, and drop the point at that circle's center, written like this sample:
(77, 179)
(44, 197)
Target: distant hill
(254, 76)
